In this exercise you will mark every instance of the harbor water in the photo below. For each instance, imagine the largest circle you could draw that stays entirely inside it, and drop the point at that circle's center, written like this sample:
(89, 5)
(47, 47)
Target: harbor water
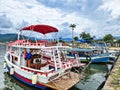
(94, 76)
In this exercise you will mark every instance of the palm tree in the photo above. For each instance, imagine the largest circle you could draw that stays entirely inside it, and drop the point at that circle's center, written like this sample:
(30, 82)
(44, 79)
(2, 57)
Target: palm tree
(83, 35)
(72, 26)
(76, 38)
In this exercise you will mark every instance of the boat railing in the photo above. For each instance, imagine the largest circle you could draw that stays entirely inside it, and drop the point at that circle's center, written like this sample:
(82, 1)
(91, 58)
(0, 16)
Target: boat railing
(64, 64)
(39, 72)
(29, 44)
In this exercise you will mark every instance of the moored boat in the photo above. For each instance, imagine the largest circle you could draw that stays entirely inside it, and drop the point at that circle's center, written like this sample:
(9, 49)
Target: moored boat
(26, 61)
(93, 55)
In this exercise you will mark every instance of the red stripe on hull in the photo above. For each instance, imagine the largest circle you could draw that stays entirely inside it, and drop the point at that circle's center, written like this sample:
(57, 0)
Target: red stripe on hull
(27, 80)
(23, 78)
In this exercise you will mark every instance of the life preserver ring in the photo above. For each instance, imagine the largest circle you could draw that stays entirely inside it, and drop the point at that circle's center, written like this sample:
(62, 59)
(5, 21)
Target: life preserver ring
(88, 57)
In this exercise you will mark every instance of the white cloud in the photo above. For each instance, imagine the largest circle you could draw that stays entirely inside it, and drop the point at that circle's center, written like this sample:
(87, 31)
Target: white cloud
(27, 12)
(33, 12)
(111, 6)
(17, 11)
(111, 13)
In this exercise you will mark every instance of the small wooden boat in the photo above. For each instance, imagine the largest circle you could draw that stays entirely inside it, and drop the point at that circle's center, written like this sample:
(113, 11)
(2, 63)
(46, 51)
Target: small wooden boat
(26, 61)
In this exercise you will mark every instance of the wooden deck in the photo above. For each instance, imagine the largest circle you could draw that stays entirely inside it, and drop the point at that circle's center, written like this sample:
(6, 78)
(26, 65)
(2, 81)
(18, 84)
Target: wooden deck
(65, 82)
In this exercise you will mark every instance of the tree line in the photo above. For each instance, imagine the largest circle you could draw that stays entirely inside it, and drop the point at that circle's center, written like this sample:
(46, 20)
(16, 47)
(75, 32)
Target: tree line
(108, 38)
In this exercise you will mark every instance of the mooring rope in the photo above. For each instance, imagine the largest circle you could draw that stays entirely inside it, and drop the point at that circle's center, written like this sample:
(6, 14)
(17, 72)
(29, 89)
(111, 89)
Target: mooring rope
(83, 70)
(53, 81)
(57, 85)
(86, 66)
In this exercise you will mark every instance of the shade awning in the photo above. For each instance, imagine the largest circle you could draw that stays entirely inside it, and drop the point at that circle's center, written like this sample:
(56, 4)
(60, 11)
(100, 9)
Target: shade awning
(44, 29)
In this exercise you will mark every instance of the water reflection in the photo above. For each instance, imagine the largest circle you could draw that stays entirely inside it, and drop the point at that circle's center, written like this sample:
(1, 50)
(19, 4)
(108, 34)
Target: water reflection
(94, 77)
(12, 83)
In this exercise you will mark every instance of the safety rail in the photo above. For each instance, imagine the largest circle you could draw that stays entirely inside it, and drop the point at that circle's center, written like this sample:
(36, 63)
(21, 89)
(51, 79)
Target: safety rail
(39, 72)
(29, 44)
(64, 65)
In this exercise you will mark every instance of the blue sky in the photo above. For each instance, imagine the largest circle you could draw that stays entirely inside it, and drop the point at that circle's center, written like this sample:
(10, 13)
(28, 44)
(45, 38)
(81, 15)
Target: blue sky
(97, 17)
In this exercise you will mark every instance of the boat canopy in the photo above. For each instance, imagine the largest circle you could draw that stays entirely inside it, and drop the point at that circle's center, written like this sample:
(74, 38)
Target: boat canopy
(81, 50)
(44, 29)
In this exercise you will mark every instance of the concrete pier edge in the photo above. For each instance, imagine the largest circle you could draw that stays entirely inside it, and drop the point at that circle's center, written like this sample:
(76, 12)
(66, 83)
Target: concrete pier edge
(108, 85)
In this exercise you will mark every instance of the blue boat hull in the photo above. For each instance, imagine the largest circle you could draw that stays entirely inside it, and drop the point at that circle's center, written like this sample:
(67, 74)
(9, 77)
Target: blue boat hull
(100, 59)
(95, 59)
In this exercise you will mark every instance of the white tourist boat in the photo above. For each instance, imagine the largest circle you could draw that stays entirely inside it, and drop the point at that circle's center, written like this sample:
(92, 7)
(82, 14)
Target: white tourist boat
(34, 68)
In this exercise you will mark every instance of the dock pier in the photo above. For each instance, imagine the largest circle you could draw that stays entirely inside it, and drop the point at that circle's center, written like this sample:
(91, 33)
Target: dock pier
(112, 82)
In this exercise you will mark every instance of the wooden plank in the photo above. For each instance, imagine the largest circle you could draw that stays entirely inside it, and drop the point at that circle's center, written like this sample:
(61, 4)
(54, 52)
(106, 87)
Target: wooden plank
(65, 82)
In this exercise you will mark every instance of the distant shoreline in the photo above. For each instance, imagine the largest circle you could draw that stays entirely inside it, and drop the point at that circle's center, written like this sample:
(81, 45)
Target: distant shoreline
(2, 43)
(114, 48)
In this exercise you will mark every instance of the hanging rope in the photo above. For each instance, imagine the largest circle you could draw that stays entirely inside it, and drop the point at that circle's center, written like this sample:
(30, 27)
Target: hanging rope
(81, 70)
(58, 88)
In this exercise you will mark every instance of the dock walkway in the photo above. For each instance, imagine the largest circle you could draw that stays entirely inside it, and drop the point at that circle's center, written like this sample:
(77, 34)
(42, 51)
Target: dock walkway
(112, 81)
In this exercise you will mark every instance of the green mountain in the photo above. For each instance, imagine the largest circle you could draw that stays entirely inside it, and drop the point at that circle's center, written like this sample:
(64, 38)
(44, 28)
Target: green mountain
(8, 37)
(13, 37)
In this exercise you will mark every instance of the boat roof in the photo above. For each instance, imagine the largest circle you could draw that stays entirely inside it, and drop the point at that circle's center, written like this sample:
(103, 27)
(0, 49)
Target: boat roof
(44, 29)
(81, 50)
(85, 50)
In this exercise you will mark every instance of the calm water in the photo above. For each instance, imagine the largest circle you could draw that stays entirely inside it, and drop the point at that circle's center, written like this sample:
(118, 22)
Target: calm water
(94, 76)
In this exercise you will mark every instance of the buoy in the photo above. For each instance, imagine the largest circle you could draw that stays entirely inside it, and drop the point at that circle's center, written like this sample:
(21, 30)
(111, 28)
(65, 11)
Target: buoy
(12, 69)
(4, 65)
(34, 78)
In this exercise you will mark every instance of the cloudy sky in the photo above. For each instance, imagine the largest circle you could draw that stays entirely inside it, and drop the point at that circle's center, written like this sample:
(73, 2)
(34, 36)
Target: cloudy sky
(97, 17)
